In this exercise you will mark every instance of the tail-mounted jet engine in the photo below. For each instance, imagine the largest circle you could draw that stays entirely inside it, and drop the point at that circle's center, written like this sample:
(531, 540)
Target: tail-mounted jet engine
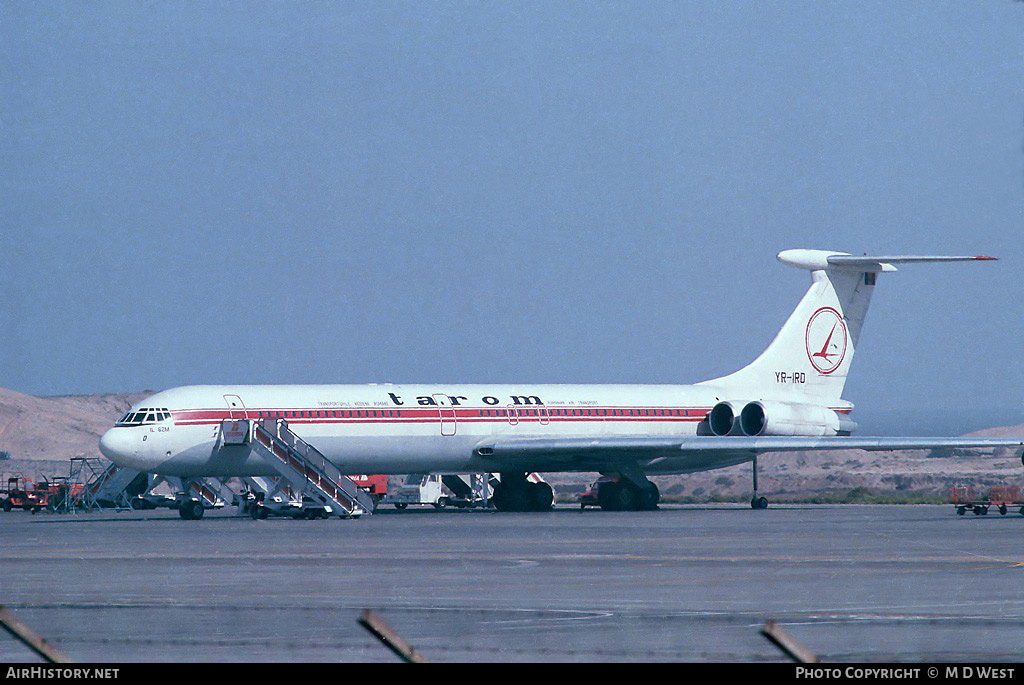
(765, 417)
(722, 419)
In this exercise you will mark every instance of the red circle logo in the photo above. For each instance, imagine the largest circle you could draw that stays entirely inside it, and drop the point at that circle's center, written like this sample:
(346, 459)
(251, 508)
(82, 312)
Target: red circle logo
(825, 340)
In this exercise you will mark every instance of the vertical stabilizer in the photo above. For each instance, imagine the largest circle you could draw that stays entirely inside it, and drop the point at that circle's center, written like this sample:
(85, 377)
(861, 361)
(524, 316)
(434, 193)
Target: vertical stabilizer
(810, 358)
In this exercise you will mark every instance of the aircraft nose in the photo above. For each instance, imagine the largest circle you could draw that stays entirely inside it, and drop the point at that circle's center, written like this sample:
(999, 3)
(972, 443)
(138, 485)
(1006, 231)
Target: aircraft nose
(115, 446)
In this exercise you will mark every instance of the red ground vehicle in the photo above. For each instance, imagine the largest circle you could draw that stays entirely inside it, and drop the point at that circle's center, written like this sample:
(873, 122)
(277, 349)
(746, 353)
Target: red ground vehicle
(376, 485)
(21, 495)
(53, 494)
(1004, 496)
(591, 496)
(58, 493)
(964, 498)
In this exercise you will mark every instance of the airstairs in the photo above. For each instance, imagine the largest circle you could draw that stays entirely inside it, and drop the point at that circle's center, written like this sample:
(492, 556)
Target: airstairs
(320, 484)
(209, 491)
(103, 486)
(191, 497)
(266, 495)
(458, 486)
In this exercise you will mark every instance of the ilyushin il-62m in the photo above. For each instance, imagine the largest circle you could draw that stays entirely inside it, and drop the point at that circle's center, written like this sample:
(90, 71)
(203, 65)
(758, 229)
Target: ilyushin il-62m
(789, 398)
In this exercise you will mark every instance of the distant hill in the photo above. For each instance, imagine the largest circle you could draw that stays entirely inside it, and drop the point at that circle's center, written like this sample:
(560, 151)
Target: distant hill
(56, 428)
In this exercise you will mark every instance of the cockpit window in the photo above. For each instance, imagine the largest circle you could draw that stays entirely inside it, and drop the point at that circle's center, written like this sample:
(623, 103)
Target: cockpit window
(143, 416)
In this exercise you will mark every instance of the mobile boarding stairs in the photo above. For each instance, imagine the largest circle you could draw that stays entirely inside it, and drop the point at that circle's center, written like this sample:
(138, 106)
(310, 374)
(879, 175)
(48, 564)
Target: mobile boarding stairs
(309, 485)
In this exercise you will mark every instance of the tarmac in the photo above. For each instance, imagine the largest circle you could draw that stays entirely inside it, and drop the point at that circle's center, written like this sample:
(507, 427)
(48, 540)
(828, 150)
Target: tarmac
(685, 583)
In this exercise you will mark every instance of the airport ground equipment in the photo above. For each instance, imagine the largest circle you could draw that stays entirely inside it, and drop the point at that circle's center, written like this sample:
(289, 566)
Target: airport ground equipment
(591, 496)
(440, 491)
(470, 491)
(419, 488)
(50, 494)
(192, 496)
(104, 484)
(57, 493)
(266, 496)
(614, 492)
(19, 495)
(152, 498)
(375, 485)
(1002, 497)
(322, 487)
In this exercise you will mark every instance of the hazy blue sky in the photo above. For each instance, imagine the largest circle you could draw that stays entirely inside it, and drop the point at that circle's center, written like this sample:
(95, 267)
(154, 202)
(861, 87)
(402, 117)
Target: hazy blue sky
(504, 191)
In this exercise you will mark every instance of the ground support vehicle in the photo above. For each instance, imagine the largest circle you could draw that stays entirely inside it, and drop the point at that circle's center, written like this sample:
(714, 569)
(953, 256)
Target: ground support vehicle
(50, 494)
(419, 488)
(440, 491)
(1003, 497)
(612, 494)
(20, 495)
(266, 496)
(375, 485)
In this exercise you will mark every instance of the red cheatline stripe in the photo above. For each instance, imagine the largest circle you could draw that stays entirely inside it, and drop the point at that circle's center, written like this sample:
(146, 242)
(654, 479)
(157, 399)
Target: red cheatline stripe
(478, 419)
(546, 414)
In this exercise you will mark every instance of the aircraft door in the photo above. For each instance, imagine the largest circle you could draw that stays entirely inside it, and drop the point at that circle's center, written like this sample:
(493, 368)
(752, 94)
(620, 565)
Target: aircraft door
(236, 407)
(446, 413)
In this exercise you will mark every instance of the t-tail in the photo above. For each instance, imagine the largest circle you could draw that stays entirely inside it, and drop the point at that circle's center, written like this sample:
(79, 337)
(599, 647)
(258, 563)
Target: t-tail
(795, 387)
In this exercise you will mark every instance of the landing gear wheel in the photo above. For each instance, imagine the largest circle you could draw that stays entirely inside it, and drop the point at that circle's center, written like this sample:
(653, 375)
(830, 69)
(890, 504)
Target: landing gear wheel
(758, 503)
(649, 498)
(191, 510)
(628, 498)
(510, 496)
(608, 496)
(541, 497)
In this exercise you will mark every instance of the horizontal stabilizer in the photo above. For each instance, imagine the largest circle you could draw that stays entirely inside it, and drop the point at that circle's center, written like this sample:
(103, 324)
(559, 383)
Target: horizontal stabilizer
(819, 260)
(869, 263)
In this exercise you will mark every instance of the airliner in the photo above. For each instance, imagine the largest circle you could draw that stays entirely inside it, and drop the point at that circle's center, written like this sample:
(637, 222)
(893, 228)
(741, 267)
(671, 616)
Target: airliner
(787, 399)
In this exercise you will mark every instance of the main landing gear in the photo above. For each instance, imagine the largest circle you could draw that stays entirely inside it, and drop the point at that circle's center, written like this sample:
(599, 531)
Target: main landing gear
(755, 501)
(631, 491)
(624, 495)
(515, 493)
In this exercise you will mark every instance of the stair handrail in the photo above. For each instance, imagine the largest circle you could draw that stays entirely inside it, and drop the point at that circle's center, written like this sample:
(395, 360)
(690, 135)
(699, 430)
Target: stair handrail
(324, 467)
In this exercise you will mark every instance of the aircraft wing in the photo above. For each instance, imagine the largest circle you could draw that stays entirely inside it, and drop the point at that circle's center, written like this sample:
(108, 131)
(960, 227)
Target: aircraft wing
(696, 452)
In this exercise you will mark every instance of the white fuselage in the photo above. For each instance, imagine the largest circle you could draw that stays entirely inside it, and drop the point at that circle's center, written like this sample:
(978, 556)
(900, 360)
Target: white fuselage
(404, 428)
(793, 388)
